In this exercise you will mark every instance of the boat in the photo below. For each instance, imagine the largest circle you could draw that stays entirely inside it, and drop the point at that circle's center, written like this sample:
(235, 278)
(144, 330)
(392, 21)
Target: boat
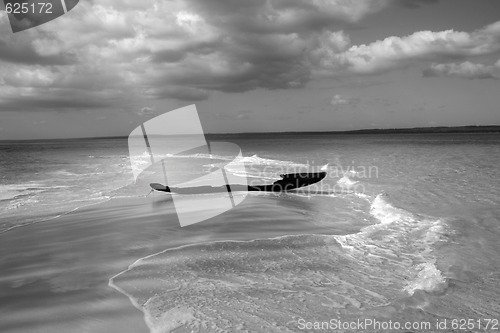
(287, 182)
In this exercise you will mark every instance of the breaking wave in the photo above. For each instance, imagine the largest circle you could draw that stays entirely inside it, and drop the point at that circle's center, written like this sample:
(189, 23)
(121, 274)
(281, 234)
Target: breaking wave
(402, 239)
(264, 282)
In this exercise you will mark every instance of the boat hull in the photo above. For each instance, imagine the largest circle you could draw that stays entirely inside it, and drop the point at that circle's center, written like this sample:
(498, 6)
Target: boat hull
(288, 182)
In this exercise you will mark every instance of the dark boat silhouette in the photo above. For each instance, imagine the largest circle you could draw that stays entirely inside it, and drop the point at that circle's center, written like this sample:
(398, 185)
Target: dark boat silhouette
(287, 182)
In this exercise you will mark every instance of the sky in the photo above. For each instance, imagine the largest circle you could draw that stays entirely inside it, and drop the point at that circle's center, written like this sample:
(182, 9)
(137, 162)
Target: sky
(107, 66)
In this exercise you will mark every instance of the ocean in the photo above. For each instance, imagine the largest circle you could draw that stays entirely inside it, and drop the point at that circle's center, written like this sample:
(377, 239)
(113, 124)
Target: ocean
(402, 235)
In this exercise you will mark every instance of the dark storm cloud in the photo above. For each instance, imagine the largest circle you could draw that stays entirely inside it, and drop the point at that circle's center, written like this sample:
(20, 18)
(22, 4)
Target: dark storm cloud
(117, 50)
(24, 53)
(235, 46)
(179, 54)
(268, 74)
(241, 63)
(283, 16)
(181, 50)
(169, 55)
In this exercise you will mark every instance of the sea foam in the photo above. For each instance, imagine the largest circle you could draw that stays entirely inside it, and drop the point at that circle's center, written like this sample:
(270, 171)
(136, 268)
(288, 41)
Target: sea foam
(404, 240)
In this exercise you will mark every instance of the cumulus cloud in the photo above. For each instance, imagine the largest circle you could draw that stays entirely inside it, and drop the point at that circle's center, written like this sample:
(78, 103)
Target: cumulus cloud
(118, 51)
(24, 51)
(396, 52)
(339, 100)
(497, 65)
(180, 49)
(466, 70)
(283, 16)
(146, 111)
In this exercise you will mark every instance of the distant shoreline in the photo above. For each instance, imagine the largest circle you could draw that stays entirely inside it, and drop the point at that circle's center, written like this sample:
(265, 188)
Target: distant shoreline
(412, 130)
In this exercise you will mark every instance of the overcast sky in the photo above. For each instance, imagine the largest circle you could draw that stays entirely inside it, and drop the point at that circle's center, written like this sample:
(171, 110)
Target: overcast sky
(252, 66)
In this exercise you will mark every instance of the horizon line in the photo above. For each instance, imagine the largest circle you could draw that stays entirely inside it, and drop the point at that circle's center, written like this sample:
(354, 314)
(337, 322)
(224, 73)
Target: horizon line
(392, 130)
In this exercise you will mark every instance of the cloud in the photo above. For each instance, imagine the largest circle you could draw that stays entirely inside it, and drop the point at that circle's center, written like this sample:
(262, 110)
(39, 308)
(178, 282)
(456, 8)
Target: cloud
(466, 70)
(38, 87)
(343, 100)
(181, 49)
(146, 111)
(22, 51)
(497, 65)
(125, 53)
(397, 52)
(283, 16)
(339, 100)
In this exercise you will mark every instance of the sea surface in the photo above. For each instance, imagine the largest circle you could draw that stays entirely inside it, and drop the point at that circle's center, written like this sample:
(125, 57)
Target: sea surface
(404, 230)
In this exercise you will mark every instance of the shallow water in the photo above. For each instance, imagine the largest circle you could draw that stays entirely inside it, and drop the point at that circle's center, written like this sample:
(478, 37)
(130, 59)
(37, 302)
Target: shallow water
(404, 228)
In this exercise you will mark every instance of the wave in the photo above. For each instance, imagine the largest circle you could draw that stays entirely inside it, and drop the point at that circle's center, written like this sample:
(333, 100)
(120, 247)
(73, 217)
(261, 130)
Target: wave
(428, 278)
(272, 174)
(254, 159)
(18, 203)
(25, 203)
(141, 161)
(404, 240)
(10, 192)
(66, 173)
(346, 182)
(213, 283)
(386, 213)
(257, 160)
(262, 281)
(16, 191)
(94, 201)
